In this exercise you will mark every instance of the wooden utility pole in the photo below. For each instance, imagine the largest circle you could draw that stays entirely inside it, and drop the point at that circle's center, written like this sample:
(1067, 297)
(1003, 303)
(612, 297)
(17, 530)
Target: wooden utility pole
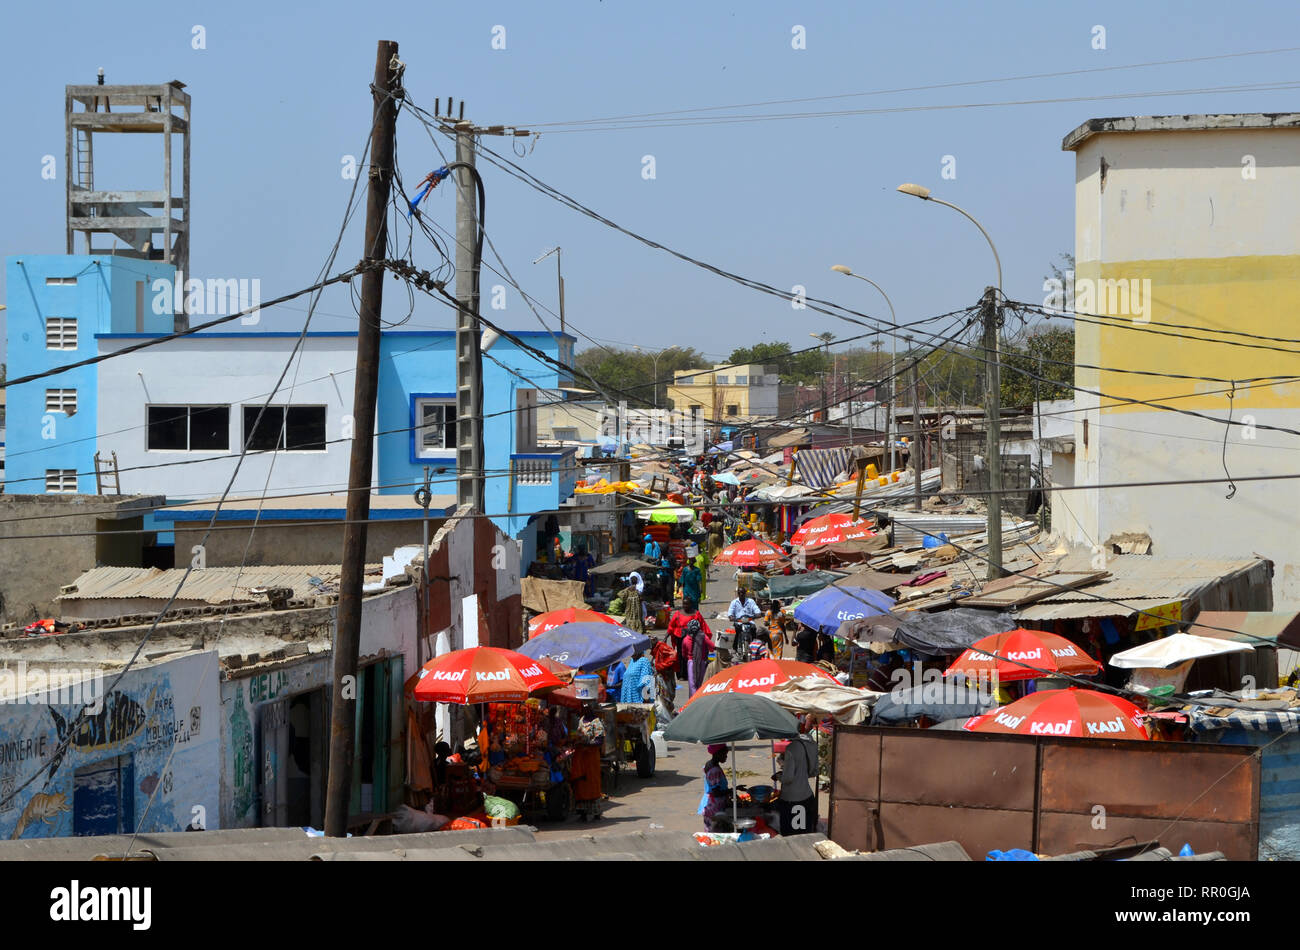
(347, 637)
(990, 310)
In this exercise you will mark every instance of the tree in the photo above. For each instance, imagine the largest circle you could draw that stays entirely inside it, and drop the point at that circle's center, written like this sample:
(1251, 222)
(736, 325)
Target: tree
(1049, 354)
(634, 371)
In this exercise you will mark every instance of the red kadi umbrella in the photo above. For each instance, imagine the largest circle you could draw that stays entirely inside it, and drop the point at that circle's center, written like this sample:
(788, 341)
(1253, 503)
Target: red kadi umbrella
(752, 553)
(554, 618)
(759, 676)
(831, 529)
(1044, 654)
(482, 675)
(1065, 712)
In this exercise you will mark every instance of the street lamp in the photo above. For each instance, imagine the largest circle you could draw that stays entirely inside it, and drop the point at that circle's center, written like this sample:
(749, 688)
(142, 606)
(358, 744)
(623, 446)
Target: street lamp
(893, 354)
(920, 191)
(993, 402)
(654, 356)
(558, 277)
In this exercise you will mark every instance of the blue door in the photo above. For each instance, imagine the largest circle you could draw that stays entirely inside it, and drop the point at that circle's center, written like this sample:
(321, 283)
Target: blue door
(103, 798)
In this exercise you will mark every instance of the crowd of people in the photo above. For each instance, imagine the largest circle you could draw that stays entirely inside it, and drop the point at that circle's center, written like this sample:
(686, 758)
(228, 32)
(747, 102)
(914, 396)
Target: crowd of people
(689, 651)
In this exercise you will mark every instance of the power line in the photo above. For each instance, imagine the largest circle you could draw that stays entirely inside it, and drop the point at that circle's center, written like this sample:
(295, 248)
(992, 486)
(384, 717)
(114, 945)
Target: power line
(744, 119)
(922, 88)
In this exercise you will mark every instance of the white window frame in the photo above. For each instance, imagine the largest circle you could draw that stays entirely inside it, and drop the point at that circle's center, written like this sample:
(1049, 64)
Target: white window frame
(60, 333)
(742, 380)
(60, 281)
(57, 480)
(722, 380)
(59, 400)
(431, 452)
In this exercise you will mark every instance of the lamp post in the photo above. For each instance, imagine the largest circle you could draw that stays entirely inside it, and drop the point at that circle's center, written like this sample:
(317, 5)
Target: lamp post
(654, 355)
(893, 354)
(992, 310)
(559, 278)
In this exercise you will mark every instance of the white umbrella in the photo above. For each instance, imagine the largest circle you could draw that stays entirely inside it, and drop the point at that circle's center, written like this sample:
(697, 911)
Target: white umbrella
(1175, 650)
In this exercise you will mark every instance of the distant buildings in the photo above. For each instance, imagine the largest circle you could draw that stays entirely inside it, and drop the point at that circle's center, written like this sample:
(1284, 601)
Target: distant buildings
(1187, 220)
(726, 392)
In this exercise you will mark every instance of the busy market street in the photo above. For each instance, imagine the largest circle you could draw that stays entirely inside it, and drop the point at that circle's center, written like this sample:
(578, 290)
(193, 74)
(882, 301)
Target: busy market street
(830, 434)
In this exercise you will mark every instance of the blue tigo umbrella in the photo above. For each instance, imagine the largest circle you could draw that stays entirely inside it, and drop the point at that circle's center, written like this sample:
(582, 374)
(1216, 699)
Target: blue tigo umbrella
(825, 610)
(586, 645)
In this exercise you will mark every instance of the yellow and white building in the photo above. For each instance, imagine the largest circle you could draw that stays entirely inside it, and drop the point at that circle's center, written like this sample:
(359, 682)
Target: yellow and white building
(727, 392)
(1191, 220)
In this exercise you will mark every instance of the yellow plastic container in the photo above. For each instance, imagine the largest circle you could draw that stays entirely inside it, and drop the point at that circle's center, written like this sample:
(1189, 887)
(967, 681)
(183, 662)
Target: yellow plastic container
(872, 471)
(894, 475)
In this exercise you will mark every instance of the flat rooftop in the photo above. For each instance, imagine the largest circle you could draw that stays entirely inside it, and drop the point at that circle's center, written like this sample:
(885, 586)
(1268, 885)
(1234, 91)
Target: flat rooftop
(324, 506)
(1181, 123)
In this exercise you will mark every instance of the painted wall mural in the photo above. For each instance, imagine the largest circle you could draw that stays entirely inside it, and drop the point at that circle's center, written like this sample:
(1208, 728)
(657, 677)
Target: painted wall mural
(143, 757)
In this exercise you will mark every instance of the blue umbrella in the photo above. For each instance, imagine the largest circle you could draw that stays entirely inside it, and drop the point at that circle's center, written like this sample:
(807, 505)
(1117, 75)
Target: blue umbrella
(726, 478)
(586, 645)
(825, 610)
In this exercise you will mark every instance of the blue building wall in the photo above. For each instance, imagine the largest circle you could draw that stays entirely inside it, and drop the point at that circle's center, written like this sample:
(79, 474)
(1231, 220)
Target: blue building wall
(415, 364)
(103, 300)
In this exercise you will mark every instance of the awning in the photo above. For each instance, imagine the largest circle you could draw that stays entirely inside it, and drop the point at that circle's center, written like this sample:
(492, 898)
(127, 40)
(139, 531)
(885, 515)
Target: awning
(541, 595)
(1174, 650)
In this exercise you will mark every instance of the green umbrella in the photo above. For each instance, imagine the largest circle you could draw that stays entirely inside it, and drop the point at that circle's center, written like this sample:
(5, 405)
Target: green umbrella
(666, 513)
(732, 717)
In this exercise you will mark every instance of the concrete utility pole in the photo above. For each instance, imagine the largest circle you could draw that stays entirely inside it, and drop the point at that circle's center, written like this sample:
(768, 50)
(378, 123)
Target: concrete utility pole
(469, 358)
(916, 430)
(992, 315)
(347, 638)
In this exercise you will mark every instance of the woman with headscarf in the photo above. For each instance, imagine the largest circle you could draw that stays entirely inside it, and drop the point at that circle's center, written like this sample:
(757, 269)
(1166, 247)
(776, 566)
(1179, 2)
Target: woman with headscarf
(697, 644)
(633, 606)
(716, 791)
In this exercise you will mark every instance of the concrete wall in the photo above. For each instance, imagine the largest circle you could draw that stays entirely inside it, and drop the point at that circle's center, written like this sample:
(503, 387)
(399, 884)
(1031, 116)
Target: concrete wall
(235, 369)
(163, 720)
(103, 297)
(472, 557)
(284, 542)
(32, 571)
(1220, 250)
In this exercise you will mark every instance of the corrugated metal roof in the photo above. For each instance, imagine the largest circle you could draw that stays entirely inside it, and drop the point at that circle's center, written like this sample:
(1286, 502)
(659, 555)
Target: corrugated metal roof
(1139, 581)
(214, 585)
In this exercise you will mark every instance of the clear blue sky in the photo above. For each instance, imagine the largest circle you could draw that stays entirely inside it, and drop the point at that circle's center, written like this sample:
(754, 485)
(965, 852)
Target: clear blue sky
(280, 95)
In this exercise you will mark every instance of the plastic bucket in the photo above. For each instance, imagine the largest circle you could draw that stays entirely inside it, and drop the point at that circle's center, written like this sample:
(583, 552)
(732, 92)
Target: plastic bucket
(727, 640)
(586, 686)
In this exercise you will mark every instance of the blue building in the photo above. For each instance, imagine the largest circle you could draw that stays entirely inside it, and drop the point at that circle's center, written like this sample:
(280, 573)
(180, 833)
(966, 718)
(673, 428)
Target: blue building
(416, 422)
(58, 305)
(174, 416)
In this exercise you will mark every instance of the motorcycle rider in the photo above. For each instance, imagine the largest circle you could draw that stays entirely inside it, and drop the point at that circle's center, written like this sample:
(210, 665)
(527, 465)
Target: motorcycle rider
(743, 612)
